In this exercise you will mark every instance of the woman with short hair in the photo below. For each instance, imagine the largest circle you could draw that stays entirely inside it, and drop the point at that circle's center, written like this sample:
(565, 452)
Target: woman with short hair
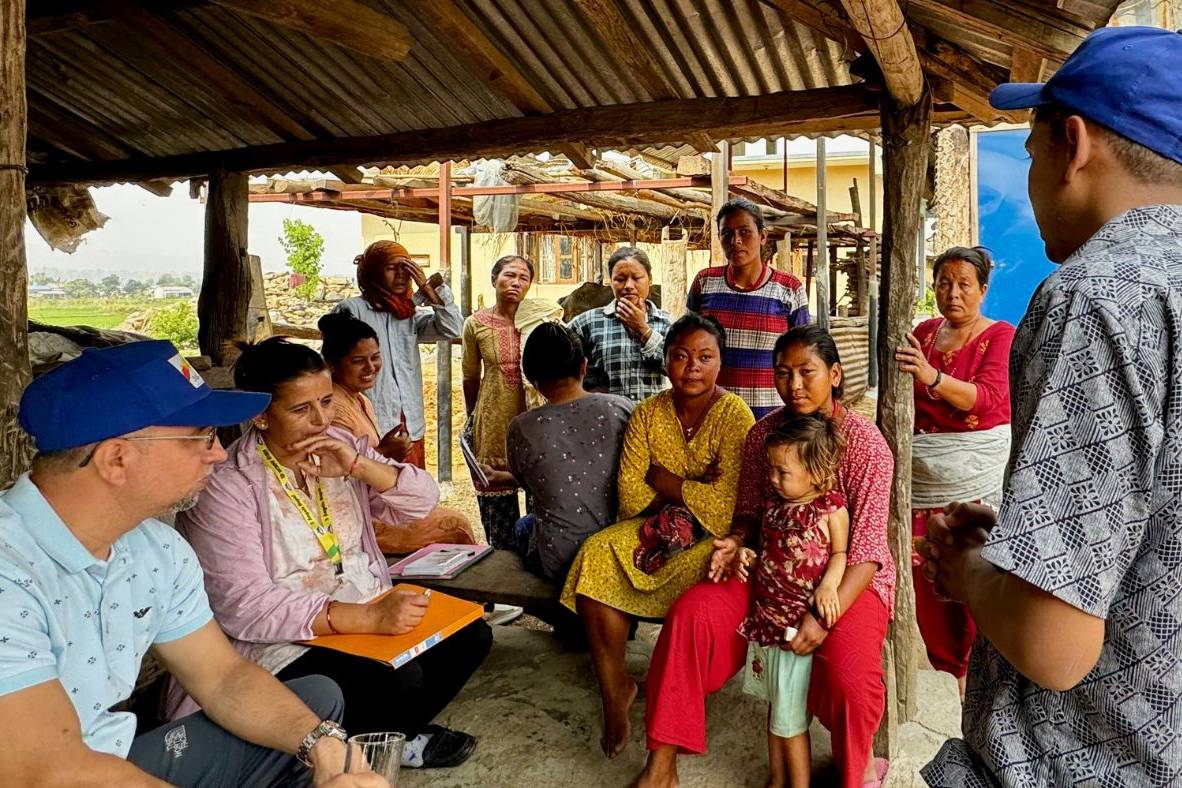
(626, 338)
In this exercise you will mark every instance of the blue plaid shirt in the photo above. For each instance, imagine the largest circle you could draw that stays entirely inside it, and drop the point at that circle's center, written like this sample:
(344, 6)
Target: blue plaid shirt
(634, 370)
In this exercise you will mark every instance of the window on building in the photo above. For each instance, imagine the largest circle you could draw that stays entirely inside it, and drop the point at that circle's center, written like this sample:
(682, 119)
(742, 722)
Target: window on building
(560, 259)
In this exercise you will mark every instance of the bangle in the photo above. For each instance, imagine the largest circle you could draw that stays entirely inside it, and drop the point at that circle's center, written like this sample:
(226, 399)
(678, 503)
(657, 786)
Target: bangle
(328, 618)
(936, 382)
(353, 467)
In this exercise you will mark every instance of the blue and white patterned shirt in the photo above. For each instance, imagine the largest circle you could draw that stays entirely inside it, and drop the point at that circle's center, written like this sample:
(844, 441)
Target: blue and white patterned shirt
(635, 370)
(67, 616)
(1092, 513)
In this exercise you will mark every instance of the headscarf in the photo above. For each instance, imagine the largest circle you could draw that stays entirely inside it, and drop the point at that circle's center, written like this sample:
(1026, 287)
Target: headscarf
(371, 267)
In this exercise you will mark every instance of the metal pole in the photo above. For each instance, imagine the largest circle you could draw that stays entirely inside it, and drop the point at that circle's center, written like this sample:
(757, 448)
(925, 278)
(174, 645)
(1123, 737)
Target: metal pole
(872, 282)
(443, 349)
(822, 276)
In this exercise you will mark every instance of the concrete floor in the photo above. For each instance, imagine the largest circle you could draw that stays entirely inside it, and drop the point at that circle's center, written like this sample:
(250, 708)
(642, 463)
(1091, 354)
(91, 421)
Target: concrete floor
(535, 710)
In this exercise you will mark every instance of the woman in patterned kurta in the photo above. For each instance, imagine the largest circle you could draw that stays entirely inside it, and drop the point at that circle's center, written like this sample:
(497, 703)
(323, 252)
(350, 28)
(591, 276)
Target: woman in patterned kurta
(492, 342)
(682, 448)
(960, 362)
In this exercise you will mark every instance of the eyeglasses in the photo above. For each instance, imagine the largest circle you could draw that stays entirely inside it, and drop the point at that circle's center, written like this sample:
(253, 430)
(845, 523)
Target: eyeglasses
(210, 437)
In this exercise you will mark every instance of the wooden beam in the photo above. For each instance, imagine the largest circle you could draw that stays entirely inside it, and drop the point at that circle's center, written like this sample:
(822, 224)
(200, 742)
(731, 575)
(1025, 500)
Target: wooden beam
(346, 23)
(822, 17)
(579, 154)
(161, 187)
(905, 132)
(15, 372)
(884, 29)
(175, 49)
(622, 45)
(761, 194)
(719, 192)
(350, 175)
(701, 142)
(224, 301)
(1025, 66)
(1040, 29)
(846, 108)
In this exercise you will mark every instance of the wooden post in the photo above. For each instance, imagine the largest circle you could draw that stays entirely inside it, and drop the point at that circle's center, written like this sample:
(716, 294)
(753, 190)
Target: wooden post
(822, 273)
(15, 374)
(224, 301)
(465, 270)
(872, 283)
(905, 146)
(784, 254)
(258, 317)
(443, 349)
(673, 272)
(719, 191)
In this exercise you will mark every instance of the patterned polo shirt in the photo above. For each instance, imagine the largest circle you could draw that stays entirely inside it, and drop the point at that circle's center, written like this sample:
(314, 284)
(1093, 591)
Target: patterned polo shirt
(67, 616)
(753, 320)
(1092, 514)
(634, 370)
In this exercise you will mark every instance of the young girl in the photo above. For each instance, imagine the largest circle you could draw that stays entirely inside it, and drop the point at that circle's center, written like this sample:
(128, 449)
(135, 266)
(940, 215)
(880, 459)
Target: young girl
(801, 561)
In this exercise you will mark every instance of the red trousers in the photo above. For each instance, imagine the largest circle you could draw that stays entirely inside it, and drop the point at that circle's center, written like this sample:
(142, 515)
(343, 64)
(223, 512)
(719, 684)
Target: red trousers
(947, 628)
(699, 650)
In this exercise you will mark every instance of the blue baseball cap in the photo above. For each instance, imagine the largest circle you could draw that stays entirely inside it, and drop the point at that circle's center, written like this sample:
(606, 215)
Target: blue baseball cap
(113, 391)
(1127, 79)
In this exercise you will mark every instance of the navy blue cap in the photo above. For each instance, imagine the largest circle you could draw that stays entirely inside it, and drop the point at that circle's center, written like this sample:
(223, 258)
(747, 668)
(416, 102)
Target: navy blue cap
(113, 391)
(1127, 79)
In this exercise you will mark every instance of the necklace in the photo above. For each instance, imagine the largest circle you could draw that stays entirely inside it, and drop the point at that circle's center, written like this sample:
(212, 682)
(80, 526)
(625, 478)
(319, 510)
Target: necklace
(688, 431)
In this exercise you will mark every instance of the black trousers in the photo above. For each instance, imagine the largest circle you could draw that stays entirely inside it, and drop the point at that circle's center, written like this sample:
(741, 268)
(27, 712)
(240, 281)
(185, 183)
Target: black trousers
(379, 697)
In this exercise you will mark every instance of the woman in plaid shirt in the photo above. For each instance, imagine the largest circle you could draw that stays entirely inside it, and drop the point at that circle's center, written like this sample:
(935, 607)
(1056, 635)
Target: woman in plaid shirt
(626, 338)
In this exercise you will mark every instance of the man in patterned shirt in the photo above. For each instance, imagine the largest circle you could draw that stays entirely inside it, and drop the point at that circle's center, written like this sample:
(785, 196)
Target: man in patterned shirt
(1075, 583)
(754, 302)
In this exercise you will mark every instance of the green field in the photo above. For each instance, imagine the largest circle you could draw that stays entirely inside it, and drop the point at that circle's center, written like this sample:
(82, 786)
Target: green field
(94, 312)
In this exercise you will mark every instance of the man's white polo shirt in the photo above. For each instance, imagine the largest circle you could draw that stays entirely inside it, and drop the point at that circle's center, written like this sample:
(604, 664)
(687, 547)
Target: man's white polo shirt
(87, 623)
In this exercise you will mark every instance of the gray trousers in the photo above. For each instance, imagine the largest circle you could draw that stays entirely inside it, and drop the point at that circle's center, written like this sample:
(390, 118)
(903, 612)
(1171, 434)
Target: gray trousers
(193, 752)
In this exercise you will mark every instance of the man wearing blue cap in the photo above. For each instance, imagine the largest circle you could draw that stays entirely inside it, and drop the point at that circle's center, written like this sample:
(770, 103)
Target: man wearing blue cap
(1076, 582)
(89, 581)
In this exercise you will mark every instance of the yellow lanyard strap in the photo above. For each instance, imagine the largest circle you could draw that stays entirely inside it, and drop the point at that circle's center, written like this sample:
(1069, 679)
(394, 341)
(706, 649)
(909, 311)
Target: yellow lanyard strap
(321, 527)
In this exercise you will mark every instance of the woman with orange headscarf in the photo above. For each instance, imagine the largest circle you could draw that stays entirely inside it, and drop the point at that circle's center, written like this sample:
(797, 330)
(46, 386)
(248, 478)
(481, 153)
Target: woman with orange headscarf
(402, 319)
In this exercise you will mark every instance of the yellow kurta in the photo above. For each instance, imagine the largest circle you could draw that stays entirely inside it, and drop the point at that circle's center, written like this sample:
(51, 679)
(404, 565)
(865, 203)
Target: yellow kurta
(603, 569)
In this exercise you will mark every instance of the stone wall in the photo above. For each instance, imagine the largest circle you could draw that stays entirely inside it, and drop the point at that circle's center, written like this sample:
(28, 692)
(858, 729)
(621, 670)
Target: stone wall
(287, 307)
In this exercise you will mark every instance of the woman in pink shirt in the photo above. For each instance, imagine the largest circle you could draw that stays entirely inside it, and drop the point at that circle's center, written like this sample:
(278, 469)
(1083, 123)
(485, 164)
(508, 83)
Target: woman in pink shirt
(700, 647)
(284, 532)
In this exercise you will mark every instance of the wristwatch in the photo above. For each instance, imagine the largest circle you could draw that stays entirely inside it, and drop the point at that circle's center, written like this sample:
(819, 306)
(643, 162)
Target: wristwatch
(325, 728)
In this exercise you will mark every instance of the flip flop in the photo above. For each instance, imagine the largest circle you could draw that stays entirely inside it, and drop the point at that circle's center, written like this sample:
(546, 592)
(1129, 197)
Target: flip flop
(447, 748)
(881, 767)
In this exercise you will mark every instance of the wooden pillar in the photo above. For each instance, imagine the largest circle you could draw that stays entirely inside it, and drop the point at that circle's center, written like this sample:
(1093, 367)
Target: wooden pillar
(465, 270)
(443, 349)
(719, 191)
(872, 283)
(905, 152)
(224, 301)
(822, 273)
(784, 254)
(673, 272)
(15, 374)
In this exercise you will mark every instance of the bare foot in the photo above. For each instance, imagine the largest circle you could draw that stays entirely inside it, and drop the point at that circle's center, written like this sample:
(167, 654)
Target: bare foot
(658, 772)
(616, 726)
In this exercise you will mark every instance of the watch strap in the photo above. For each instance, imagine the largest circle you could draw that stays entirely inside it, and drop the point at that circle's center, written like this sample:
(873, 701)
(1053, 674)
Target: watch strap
(325, 728)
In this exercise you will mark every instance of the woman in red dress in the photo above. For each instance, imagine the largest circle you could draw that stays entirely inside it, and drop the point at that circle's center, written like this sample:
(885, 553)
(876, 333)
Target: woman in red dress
(960, 363)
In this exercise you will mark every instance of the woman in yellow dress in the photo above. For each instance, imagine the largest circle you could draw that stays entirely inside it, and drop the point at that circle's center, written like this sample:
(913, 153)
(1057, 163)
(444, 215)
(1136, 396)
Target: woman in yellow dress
(677, 485)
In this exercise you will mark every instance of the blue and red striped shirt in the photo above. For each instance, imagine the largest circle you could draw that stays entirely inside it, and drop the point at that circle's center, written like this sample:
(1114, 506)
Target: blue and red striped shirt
(753, 320)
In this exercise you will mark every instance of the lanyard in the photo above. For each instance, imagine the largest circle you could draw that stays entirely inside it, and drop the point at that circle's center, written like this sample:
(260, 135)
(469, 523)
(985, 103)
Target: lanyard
(322, 526)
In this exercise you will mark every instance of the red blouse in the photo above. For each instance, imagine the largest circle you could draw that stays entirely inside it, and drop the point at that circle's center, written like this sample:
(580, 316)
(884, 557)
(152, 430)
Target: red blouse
(864, 478)
(984, 361)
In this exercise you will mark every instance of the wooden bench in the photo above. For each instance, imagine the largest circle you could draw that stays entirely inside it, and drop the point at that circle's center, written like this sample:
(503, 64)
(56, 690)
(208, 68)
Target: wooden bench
(502, 578)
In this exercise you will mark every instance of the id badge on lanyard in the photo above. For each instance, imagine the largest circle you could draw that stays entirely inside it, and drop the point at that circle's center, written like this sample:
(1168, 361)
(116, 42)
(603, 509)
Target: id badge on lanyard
(321, 521)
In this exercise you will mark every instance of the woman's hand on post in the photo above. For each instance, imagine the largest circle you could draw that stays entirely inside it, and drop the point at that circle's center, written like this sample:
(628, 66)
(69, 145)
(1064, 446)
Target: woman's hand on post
(398, 612)
(333, 457)
(809, 636)
(912, 361)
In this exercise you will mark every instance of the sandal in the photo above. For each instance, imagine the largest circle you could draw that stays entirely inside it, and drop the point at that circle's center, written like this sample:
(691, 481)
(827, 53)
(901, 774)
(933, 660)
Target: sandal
(447, 748)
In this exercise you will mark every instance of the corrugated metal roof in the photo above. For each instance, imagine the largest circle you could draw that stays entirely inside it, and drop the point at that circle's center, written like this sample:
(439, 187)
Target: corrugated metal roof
(99, 92)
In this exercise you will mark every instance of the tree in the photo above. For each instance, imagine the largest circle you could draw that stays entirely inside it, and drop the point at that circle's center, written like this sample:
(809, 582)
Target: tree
(80, 288)
(134, 287)
(110, 285)
(167, 280)
(176, 323)
(188, 281)
(305, 248)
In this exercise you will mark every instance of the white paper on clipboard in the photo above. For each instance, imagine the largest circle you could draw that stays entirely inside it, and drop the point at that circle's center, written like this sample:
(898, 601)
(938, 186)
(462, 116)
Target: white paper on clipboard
(470, 456)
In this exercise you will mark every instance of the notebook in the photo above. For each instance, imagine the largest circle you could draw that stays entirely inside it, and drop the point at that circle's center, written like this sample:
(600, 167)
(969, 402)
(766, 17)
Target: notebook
(439, 561)
(445, 616)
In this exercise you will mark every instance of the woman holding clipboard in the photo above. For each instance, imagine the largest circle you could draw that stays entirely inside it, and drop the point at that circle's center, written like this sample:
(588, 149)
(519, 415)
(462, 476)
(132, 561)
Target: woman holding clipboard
(284, 531)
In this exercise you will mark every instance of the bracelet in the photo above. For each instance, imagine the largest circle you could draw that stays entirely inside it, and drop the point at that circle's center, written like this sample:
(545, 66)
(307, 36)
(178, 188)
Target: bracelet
(328, 618)
(936, 382)
(353, 467)
(325, 728)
